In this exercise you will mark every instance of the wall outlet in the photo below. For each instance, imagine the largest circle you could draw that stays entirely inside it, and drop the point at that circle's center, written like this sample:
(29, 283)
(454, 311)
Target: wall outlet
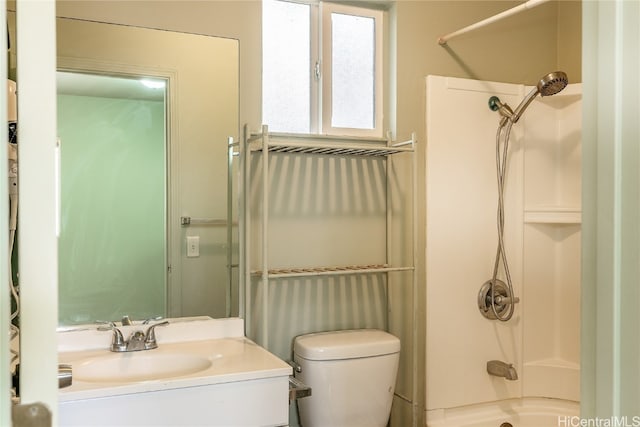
(193, 246)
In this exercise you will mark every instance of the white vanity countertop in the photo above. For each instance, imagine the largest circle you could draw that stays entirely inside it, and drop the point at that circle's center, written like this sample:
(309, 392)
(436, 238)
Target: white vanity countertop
(227, 359)
(88, 337)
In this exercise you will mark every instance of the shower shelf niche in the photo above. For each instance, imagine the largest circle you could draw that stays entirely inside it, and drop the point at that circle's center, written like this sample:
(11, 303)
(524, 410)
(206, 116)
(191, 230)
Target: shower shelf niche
(551, 246)
(553, 215)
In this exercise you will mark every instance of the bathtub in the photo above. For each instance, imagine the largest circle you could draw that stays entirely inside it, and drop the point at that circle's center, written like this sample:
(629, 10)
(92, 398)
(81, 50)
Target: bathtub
(528, 412)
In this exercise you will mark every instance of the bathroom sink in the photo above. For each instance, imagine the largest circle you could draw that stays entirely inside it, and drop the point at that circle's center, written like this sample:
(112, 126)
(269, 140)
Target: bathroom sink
(203, 372)
(138, 366)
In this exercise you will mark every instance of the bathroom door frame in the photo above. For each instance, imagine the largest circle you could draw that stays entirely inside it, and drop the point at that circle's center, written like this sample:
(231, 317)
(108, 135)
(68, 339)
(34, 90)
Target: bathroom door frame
(610, 354)
(38, 198)
(5, 296)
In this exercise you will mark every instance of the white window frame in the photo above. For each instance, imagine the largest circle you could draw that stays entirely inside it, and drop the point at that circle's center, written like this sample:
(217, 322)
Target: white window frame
(327, 9)
(315, 67)
(320, 67)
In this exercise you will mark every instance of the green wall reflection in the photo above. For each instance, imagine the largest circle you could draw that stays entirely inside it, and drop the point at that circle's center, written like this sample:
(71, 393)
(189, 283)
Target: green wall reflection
(112, 246)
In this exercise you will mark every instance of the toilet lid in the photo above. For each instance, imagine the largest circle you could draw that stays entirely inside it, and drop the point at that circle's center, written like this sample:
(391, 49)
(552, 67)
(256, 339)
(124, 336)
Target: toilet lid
(346, 344)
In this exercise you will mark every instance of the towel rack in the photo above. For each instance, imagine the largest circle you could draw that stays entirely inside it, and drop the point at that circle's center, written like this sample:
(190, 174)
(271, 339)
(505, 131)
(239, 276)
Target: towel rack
(187, 220)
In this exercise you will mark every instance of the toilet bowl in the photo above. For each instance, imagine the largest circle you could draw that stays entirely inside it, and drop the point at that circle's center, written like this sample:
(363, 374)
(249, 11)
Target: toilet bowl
(352, 375)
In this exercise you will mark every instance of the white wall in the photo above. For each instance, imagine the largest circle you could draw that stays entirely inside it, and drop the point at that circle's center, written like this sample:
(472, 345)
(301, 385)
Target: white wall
(542, 238)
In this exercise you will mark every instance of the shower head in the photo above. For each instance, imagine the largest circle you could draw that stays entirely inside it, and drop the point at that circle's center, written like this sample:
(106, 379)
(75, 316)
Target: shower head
(548, 85)
(552, 83)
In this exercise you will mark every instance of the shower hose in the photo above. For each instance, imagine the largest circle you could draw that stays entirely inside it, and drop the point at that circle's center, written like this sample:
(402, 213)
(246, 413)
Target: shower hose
(501, 254)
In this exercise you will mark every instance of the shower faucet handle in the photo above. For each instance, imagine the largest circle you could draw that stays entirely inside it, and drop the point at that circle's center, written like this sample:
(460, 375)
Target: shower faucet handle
(502, 300)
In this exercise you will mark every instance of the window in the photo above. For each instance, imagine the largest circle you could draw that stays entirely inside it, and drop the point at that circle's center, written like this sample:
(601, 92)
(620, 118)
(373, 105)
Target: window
(286, 54)
(330, 84)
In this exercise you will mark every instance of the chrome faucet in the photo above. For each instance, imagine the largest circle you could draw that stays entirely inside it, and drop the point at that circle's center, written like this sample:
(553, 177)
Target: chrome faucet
(502, 369)
(138, 340)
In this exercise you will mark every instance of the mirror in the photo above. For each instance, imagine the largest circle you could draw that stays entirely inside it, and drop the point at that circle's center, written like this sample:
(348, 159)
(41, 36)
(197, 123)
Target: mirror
(137, 164)
(113, 233)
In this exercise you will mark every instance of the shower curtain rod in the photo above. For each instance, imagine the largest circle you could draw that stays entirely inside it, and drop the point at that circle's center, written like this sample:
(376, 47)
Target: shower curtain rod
(442, 40)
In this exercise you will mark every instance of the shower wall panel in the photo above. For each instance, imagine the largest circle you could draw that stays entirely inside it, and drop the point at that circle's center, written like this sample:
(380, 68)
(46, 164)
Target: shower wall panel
(552, 238)
(462, 242)
(542, 239)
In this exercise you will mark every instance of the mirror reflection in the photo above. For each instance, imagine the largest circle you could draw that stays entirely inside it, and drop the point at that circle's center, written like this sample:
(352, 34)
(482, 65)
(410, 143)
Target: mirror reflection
(134, 161)
(112, 243)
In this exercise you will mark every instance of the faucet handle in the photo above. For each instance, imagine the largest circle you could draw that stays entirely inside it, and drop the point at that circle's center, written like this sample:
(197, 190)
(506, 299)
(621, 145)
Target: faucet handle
(150, 340)
(151, 319)
(107, 324)
(117, 341)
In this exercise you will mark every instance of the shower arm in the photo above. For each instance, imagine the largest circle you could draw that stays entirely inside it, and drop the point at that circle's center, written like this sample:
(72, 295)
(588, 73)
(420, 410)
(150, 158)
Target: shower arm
(524, 104)
(548, 85)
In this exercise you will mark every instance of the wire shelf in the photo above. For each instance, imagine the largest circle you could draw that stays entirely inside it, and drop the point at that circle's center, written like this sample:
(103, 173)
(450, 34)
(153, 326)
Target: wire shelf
(328, 271)
(328, 145)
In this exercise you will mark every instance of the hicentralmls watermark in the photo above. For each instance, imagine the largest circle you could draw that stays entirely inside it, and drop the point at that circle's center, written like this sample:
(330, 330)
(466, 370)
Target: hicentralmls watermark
(621, 421)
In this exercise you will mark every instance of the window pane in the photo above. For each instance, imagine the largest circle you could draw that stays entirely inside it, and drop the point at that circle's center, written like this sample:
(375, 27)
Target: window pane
(286, 63)
(352, 71)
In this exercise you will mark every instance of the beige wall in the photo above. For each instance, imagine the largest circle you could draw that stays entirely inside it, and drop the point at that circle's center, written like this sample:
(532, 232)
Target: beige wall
(239, 20)
(570, 39)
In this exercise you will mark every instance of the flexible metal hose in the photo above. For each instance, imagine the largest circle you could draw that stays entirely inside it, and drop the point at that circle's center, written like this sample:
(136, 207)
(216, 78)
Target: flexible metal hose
(501, 254)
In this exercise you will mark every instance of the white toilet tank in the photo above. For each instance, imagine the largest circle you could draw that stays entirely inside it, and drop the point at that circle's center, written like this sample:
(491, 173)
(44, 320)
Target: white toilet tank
(352, 375)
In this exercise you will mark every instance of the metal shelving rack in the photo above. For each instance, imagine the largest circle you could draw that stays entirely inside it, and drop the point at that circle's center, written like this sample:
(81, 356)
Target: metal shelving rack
(266, 143)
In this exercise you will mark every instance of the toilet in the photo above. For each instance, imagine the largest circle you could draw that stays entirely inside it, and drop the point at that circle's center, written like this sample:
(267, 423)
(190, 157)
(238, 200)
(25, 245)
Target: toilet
(352, 375)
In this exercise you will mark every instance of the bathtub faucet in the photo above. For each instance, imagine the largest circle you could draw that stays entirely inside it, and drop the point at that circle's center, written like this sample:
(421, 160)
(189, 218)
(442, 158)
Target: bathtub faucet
(138, 340)
(502, 369)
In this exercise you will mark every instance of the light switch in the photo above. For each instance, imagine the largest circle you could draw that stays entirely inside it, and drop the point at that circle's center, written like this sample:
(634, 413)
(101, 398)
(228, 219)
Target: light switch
(193, 246)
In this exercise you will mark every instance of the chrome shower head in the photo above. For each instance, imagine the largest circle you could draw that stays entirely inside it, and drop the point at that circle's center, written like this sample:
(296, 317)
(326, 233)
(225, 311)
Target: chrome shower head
(548, 85)
(552, 83)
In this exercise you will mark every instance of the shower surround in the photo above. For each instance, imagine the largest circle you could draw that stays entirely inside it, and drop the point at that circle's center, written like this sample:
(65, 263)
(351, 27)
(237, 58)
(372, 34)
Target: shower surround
(542, 239)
